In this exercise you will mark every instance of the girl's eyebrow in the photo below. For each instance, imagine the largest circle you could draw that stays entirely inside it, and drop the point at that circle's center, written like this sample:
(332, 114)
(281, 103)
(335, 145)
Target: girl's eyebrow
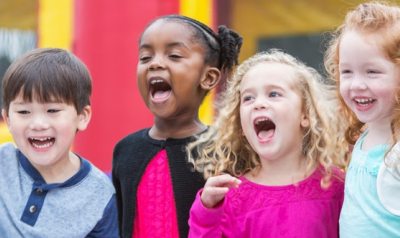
(245, 90)
(169, 45)
(177, 44)
(144, 46)
(269, 87)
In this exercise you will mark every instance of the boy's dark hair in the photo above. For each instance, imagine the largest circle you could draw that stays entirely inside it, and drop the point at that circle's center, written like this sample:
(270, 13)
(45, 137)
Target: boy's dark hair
(48, 74)
(222, 49)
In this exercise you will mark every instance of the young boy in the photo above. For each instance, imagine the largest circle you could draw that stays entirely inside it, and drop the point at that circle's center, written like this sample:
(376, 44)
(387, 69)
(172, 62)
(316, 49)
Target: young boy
(46, 190)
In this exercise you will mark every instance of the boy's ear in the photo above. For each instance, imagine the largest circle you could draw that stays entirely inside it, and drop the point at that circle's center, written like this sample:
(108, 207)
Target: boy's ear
(84, 118)
(211, 79)
(6, 119)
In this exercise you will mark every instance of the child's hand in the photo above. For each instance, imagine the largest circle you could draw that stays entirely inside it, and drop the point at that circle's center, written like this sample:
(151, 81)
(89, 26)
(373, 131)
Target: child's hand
(216, 188)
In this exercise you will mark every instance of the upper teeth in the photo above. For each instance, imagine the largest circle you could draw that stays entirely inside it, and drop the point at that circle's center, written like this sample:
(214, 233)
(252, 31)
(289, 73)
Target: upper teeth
(363, 100)
(41, 139)
(154, 81)
(261, 119)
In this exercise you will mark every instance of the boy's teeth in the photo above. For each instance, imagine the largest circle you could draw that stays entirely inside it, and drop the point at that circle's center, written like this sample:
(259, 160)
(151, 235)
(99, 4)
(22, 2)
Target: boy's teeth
(47, 145)
(41, 139)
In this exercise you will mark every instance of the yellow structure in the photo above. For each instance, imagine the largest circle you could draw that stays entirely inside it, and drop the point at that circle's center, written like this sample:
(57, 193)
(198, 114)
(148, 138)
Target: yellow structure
(21, 15)
(255, 19)
(55, 23)
(5, 136)
(201, 10)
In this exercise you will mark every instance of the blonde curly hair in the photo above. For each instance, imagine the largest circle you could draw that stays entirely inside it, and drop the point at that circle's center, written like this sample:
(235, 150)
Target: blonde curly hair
(379, 21)
(223, 149)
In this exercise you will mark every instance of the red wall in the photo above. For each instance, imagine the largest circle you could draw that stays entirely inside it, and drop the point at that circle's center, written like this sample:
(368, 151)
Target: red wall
(106, 37)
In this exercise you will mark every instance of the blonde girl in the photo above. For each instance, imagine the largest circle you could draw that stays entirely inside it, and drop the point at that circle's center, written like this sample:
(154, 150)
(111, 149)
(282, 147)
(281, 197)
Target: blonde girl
(271, 155)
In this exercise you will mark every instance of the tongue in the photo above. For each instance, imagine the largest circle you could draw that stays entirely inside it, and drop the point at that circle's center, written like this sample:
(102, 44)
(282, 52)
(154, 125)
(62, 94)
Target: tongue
(38, 142)
(266, 134)
(161, 94)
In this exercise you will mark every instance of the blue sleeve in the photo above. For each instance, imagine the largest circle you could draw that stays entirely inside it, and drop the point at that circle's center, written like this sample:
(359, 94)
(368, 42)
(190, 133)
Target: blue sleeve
(107, 227)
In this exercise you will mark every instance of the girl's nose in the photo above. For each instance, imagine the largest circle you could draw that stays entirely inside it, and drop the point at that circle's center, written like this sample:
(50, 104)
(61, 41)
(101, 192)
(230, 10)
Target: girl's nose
(358, 83)
(156, 63)
(39, 123)
(260, 103)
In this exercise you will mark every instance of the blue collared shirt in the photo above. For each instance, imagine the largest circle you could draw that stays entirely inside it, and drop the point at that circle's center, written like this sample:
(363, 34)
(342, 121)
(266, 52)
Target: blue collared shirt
(82, 206)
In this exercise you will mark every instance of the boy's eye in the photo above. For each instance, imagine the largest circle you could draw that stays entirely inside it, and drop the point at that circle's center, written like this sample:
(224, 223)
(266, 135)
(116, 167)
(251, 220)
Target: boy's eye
(23, 112)
(53, 111)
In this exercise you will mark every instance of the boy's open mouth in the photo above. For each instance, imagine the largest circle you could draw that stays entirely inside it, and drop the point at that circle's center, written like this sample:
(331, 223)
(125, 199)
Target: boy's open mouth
(159, 89)
(42, 143)
(264, 128)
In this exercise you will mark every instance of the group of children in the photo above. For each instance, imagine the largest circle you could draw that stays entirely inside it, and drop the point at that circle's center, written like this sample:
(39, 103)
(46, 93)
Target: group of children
(272, 165)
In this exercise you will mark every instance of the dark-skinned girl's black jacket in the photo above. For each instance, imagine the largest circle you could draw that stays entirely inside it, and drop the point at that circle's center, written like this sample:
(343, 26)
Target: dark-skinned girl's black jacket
(130, 158)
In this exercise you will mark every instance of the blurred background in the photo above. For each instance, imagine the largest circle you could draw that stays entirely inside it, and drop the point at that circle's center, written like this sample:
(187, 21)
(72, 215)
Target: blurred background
(104, 35)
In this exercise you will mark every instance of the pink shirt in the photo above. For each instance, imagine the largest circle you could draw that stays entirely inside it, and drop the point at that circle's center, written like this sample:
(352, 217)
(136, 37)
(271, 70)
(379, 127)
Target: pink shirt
(156, 212)
(252, 210)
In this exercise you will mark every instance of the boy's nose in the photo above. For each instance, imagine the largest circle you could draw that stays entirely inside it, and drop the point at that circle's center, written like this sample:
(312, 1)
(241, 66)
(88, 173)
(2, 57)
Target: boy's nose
(39, 123)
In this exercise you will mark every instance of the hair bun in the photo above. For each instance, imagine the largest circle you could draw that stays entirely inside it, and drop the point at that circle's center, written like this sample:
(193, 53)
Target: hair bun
(231, 42)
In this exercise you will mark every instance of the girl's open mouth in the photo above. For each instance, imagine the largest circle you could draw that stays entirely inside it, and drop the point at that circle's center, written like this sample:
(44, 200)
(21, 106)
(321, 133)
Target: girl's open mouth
(264, 128)
(159, 89)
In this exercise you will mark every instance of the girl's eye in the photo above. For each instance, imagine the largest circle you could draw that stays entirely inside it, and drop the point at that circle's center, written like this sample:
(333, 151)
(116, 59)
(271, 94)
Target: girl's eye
(345, 71)
(144, 58)
(371, 71)
(274, 94)
(175, 56)
(53, 111)
(23, 112)
(247, 98)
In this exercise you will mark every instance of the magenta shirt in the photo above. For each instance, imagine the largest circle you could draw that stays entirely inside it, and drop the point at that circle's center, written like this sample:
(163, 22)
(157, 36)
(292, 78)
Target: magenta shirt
(156, 212)
(304, 210)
